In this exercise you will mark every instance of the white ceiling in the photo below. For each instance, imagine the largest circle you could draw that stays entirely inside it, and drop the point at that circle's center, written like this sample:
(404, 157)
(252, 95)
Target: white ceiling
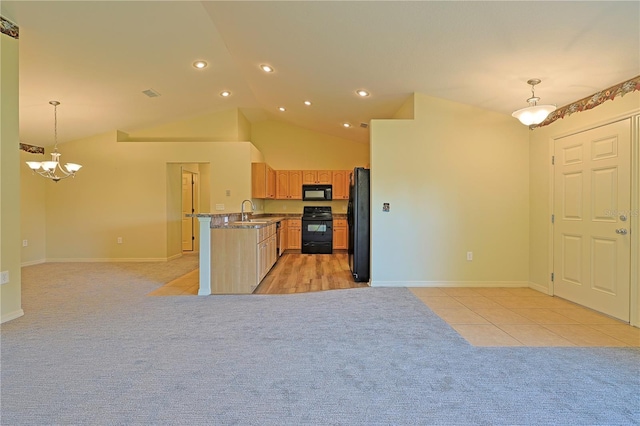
(97, 57)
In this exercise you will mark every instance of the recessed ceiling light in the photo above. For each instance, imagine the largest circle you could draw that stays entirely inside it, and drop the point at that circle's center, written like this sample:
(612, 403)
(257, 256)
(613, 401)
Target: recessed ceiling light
(307, 103)
(266, 68)
(347, 125)
(362, 93)
(200, 64)
(225, 93)
(283, 109)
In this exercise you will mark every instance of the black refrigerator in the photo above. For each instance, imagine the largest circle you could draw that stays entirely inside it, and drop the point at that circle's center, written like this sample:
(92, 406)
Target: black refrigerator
(359, 219)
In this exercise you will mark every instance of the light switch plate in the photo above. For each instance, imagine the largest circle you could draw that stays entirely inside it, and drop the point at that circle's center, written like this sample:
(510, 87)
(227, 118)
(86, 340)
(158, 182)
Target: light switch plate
(219, 206)
(4, 277)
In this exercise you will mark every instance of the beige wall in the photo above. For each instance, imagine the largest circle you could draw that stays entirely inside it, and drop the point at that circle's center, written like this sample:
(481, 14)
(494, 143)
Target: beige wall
(122, 191)
(10, 297)
(129, 185)
(216, 126)
(457, 180)
(33, 211)
(541, 149)
(287, 147)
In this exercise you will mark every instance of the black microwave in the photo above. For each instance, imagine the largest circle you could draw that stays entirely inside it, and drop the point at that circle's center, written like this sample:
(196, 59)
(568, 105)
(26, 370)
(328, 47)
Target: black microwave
(316, 192)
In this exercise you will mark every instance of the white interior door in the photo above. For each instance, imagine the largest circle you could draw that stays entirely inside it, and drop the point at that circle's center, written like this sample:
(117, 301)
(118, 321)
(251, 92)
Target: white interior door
(188, 230)
(592, 201)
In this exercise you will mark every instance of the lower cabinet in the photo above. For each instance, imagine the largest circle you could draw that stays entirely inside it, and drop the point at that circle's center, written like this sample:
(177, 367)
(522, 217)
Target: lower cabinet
(241, 257)
(294, 234)
(340, 234)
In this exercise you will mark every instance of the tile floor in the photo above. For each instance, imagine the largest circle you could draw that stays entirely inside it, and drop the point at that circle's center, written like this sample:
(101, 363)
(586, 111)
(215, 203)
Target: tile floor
(524, 317)
(499, 316)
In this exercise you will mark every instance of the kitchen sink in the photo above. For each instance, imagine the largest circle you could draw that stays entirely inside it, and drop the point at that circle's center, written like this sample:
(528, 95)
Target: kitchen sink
(249, 222)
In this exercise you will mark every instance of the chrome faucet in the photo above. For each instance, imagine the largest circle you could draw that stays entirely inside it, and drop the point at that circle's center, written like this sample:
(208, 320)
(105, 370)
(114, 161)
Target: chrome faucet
(243, 214)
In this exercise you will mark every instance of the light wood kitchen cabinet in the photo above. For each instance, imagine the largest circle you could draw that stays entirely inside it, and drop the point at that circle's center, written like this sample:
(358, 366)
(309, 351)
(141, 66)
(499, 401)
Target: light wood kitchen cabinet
(294, 234)
(241, 257)
(340, 181)
(316, 176)
(289, 185)
(263, 181)
(284, 234)
(340, 234)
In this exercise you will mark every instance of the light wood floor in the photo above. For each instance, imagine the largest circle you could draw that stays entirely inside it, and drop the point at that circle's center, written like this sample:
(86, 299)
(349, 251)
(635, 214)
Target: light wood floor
(482, 316)
(302, 273)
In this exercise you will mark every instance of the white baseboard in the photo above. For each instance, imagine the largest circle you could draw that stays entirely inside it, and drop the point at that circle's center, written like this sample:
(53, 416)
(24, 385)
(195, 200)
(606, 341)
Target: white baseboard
(175, 256)
(33, 262)
(449, 283)
(11, 316)
(106, 259)
(539, 287)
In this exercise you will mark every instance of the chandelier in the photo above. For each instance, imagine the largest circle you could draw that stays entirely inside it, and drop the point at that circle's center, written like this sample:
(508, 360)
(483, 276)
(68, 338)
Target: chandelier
(534, 113)
(52, 169)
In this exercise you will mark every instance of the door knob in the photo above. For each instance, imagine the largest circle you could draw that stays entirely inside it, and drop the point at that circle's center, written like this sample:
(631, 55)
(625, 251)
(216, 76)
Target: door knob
(621, 231)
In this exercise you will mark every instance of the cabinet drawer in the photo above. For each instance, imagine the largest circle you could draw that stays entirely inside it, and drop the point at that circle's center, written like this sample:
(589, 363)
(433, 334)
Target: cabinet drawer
(295, 223)
(339, 223)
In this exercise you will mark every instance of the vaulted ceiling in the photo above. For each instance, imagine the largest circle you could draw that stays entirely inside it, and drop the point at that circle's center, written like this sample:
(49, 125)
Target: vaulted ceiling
(97, 58)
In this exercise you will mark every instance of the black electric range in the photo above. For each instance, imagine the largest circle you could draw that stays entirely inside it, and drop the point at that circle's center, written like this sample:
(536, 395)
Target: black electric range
(317, 230)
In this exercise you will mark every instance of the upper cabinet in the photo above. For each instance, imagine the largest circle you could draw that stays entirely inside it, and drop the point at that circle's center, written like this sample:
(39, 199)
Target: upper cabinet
(289, 185)
(340, 182)
(263, 181)
(316, 176)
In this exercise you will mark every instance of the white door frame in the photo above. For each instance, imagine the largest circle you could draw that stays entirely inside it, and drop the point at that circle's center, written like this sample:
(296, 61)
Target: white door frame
(634, 222)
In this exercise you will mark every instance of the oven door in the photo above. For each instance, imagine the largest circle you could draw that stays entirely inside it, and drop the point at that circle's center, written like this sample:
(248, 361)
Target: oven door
(317, 236)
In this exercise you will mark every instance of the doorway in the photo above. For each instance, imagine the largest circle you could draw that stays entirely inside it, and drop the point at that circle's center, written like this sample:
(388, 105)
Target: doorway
(592, 209)
(189, 203)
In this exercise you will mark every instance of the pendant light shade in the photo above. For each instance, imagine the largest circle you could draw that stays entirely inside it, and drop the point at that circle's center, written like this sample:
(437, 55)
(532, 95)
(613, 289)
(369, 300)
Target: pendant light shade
(534, 113)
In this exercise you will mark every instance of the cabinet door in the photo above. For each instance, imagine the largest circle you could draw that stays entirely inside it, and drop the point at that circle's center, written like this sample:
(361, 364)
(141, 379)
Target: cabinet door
(271, 183)
(273, 252)
(340, 238)
(258, 180)
(283, 235)
(295, 185)
(294, 234)
(340, 234)
(323, 177)
(340, 182)
(309, 177)
(282, 184)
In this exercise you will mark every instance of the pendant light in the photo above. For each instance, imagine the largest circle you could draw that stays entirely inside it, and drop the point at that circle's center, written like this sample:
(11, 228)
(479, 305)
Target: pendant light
(534, 113)
(52, 169)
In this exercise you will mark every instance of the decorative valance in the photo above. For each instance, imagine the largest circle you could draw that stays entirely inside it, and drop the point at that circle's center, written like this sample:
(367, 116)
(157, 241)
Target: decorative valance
(9, 28)
(31, 148)
(594, 100)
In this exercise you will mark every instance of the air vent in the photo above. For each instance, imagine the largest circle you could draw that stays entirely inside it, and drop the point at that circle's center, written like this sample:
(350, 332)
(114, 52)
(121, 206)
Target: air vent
(151, 93)
(364, 125)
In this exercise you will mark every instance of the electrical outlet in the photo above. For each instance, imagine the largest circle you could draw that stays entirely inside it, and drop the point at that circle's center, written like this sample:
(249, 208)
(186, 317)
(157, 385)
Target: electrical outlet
(228, 192)
(119, 240)
(284, 207)
(219, 206)
(4, 277)
(25, 243)
(469, 255)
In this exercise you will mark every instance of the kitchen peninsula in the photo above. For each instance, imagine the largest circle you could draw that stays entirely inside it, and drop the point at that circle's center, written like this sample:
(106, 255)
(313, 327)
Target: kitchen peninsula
(236, 256)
